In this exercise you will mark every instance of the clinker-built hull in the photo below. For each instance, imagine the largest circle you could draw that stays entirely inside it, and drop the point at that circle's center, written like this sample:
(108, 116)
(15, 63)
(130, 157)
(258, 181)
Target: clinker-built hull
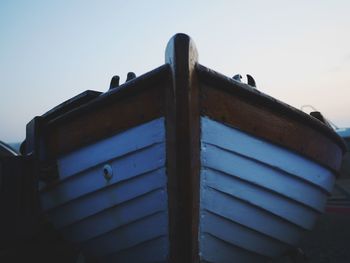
(182, 164)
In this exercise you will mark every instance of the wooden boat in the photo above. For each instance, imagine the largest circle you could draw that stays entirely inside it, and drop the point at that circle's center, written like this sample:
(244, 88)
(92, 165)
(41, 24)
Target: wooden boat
(182, 164)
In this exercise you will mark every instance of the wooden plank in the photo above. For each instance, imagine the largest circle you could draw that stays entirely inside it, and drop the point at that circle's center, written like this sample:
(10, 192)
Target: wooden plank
(92, 180)
(250, 216)
(241, 237)
(265, 176)
(73, 215)
(276, 204)
(71, 104)
(118, 215)
(237, 142)
(105, 121)
(260, 121)
(182, 120)
(133, 234)
(112, 147)
(92, 116)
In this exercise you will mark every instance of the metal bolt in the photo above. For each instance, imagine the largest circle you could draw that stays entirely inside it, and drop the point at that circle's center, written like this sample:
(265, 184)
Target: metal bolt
(107, 172)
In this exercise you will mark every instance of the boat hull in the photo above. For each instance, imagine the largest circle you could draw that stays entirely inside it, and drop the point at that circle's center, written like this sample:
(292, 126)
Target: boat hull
(182, 164)
(114, 219)
(255, 197)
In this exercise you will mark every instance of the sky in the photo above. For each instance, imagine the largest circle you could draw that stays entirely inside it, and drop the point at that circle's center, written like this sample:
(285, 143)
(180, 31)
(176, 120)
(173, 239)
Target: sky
(297, 51)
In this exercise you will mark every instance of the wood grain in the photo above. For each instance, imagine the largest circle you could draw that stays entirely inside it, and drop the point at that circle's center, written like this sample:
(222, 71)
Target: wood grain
(183, 161)
(270, 125)
(105, 121)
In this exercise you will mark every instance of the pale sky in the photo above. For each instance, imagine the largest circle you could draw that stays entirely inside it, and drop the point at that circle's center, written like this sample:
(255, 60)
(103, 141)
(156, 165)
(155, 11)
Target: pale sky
(297, 51)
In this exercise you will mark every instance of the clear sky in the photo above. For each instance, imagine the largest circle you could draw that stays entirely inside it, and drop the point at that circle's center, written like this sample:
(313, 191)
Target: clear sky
(298, 51)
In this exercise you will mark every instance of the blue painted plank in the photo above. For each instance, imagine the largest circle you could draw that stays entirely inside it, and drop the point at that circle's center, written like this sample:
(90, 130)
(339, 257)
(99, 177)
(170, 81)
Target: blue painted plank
(129, 236)
(217, 250)
(117, 216)
(150, 251)
(250, 216)
(258, 196)
(92, 180)
(112, 147)
(108, 197)
(264, 176)
(234, 140)
(240, 236)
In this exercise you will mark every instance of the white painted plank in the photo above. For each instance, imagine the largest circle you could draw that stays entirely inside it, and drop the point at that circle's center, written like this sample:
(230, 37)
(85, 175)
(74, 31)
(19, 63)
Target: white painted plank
(117, 216)
(271, 202)
(234, 140)
(128, 236)
(92, 180)
(264, 176)
(155, 251)
(241, 236)
(88, 205)
(215, 250)
(249, 216)
(112, 147)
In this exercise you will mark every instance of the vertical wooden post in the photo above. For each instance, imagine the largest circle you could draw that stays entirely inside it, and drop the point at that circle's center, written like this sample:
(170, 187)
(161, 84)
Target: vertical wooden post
(183, 149)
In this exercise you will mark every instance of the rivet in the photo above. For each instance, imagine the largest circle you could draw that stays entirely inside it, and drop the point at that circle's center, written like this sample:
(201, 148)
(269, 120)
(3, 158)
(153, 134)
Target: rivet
(107, 172)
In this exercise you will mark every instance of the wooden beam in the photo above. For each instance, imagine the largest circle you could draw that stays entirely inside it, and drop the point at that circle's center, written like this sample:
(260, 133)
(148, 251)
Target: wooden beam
(272, 125)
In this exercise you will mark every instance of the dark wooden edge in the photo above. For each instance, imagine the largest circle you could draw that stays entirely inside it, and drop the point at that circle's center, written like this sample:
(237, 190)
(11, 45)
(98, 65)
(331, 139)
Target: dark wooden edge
(71, 104)
(96, 115)
(156, 76)
(262, 116)
(106, 121)
(242, 90)
(183, 150)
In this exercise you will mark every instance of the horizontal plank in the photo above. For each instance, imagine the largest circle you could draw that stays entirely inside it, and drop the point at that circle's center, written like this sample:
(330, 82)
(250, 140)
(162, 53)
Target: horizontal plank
(258, 120)
(276, 204)
(265, 176)
(112, 147)
(132, 234)
(120, 214)
(107, 198)
(104, 121)
(235, 140)
(155, 250)
(211, 245)
(92, 180)
(241, 236)
(250, 216)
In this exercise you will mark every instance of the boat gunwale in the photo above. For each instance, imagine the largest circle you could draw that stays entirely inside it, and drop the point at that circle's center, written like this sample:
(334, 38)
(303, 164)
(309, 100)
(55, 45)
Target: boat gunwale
(145, 81)
(222, 82)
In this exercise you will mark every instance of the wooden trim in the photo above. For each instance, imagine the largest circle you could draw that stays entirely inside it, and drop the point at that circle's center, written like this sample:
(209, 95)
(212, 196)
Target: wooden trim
(158, 76)
(97, 117)
(105, 121)
(214, 79)
(183, 150)
(275, 126)
(71, 104)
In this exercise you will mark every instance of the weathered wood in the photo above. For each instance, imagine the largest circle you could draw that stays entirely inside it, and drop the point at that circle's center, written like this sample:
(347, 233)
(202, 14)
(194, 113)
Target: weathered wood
(255, 97)
(105, 121)
(182, 119)
(180, 91)
(71, 104)
(136, 102)
(257, 118)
